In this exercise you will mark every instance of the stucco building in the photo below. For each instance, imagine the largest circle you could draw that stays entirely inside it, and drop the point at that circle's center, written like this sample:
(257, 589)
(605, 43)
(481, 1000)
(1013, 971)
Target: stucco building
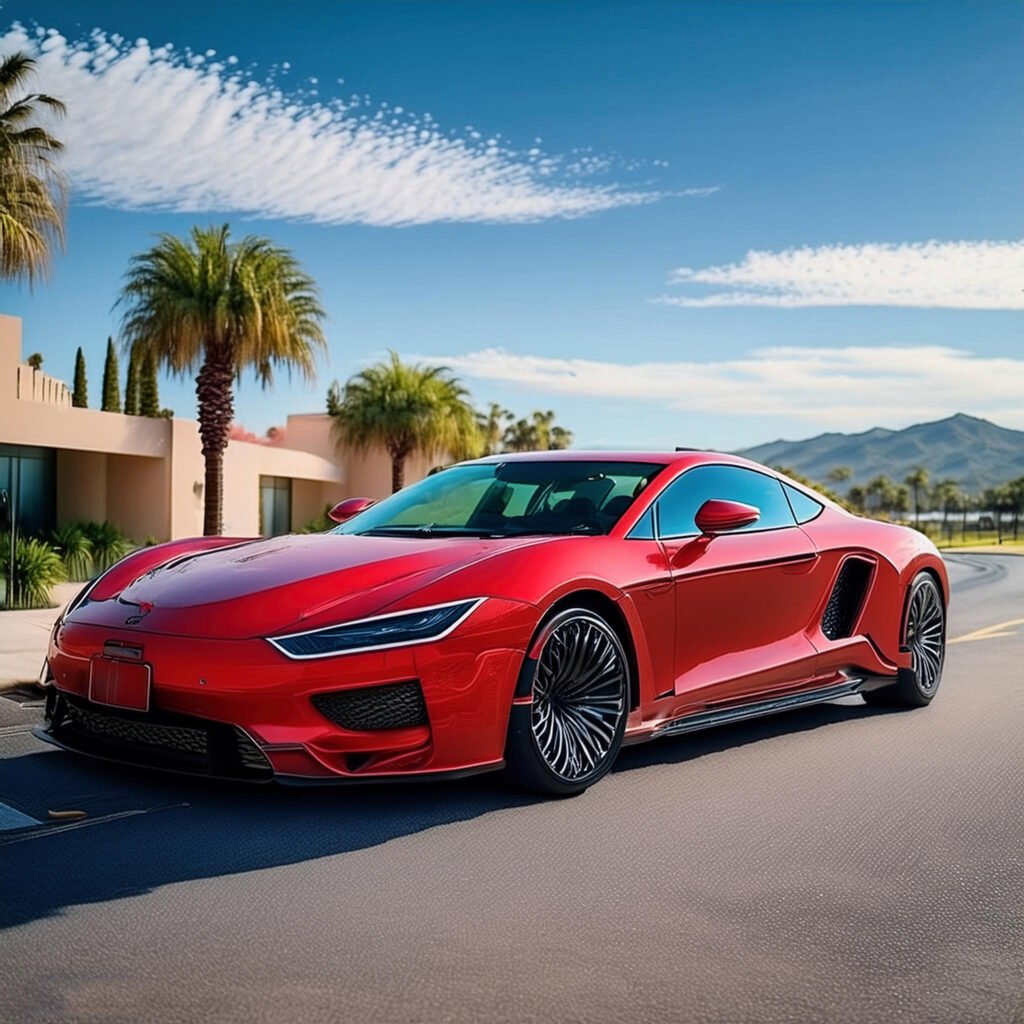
(59, 464)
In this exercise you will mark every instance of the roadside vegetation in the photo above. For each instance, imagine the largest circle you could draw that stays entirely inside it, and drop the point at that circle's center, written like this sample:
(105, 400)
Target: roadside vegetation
(942, 509)
(37, 569)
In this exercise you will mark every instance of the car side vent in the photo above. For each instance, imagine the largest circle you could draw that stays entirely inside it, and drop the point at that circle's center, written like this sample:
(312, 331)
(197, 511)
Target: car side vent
(369, 708)
(847, 596)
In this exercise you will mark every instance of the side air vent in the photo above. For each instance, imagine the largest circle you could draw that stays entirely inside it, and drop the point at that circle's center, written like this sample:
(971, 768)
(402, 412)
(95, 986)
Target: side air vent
(394, 706)
(847, 596)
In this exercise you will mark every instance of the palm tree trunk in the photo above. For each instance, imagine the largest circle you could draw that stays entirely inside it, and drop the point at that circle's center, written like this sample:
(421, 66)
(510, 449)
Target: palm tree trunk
(216, 410)
(397, 473)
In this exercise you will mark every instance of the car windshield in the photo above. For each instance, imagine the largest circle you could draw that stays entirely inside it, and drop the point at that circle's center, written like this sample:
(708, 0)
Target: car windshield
(507, 499)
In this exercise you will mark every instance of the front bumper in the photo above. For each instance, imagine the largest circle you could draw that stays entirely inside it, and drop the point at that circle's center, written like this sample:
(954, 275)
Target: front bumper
(239, 709)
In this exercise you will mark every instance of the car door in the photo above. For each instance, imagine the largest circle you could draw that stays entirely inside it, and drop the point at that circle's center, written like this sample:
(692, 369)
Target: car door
(743, 598)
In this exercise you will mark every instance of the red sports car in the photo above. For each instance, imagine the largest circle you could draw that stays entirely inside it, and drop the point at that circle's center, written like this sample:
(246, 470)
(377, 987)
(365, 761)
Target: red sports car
(527, 612)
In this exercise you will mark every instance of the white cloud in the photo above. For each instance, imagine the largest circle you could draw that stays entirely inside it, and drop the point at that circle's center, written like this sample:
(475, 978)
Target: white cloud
(951, 275)
(833, 388)
(152, 127)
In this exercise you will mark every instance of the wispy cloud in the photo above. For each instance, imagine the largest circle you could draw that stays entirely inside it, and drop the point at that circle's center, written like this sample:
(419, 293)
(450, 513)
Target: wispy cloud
(833, 388)
(951, 275)
(155, 127)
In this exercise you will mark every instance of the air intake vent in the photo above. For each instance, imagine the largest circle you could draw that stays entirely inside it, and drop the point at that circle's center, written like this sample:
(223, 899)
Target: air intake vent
(162, 740)
(394, 706)
(846, 598)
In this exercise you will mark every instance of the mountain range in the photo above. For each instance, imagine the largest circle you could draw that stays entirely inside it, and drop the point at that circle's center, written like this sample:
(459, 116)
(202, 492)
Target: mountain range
(972, 451)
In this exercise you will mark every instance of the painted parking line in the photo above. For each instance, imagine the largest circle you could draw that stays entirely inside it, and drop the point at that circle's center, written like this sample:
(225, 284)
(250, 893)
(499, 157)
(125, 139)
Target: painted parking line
(990, 632)
(13, 818)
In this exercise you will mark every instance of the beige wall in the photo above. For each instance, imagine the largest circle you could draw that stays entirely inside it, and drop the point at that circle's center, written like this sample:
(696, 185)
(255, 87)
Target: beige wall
(147, 475)
(81, 486)
(367, 474)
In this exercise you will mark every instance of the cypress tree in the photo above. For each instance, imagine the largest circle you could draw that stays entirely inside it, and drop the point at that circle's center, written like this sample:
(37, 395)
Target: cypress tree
(80, 395)
(131, 386)
(111, 386)
(149, 395)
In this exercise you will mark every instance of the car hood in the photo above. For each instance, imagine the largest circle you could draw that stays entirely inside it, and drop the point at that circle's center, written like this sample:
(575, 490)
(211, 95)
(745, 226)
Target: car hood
(298, 581)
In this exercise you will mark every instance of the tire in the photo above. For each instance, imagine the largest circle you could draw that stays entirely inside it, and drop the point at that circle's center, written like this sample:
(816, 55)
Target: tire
(916, 687)
(569, 736)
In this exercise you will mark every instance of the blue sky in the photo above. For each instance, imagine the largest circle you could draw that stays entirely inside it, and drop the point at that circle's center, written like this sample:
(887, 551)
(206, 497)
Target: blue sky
(710, 224)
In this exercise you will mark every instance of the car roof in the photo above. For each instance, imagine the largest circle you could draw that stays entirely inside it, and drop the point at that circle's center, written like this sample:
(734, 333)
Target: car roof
(680, 458)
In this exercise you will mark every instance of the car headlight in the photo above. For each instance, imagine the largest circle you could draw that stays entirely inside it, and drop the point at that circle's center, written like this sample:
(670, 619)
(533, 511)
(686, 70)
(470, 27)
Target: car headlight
(396, 629)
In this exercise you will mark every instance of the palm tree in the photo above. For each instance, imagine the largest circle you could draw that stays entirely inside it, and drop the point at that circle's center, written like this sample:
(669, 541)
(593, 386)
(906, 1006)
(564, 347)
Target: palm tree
(406, 409)
(33, 189)
(207, 304)
(492, 427)
(917, 481)
(947, 496)
(520, 436)
(881, 488)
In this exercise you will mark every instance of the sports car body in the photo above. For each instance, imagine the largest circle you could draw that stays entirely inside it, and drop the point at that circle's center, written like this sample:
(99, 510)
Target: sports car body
(528, 612)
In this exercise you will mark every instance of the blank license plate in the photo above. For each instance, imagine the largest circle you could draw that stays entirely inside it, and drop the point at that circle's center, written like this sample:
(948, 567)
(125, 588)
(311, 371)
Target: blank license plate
(120, 684)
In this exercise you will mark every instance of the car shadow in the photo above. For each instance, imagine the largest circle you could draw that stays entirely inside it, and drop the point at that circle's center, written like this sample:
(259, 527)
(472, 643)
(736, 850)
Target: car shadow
(180, 829)
(688, 747)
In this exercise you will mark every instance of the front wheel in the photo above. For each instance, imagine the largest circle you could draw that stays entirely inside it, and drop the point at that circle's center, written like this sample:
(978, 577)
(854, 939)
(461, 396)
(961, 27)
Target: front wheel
(569, 735)
(925, 635)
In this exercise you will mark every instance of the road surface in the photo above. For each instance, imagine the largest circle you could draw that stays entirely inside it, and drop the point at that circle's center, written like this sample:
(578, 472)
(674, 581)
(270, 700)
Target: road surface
(840, 863)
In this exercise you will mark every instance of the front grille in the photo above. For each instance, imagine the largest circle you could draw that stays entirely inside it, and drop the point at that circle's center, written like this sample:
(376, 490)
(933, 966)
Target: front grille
(845, 601)
(370, 708)
(112, 728)
(156, 738)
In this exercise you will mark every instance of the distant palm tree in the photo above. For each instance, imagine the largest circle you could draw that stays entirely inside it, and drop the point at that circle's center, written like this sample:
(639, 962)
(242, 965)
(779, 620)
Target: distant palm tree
(219, 307)
(561, 438)
(948, 497)
(406, 409)
(917, 481)
(520, 436)
(882, 489)
(492, 427)
(537, 434)
(33, 189)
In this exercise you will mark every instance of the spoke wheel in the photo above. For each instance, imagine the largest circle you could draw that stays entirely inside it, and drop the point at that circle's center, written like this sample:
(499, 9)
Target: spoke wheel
(569, 735)
(926, 635)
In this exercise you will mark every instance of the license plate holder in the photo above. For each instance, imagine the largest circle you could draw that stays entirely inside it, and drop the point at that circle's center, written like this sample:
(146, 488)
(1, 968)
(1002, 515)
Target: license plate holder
(120, 684)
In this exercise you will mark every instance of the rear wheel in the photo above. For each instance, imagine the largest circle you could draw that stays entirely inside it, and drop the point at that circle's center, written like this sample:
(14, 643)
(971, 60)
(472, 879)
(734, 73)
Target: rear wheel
(926, 637)
(569, 736)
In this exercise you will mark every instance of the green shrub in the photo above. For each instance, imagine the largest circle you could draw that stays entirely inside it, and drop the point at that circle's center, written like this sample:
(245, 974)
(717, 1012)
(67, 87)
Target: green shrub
(109, 544)
(37, 569)
(320, 524)
(75, 548)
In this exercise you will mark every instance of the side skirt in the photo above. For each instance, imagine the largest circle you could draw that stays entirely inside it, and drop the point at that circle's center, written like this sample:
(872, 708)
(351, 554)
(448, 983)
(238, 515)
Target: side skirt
(755, 709)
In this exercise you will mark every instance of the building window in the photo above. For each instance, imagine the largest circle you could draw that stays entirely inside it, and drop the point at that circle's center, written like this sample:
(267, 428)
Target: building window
(275, 505)
(28, 480)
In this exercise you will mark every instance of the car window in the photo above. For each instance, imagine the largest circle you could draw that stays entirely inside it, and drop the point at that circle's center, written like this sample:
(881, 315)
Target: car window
(557, 496)
(805, 508)
(677, 507)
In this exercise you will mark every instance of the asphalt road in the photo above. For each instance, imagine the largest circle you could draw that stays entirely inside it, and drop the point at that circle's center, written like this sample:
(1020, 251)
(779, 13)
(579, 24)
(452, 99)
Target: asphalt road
(839, 863)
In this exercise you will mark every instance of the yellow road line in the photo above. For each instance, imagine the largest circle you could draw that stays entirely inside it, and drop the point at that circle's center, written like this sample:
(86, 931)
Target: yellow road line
(990, 632)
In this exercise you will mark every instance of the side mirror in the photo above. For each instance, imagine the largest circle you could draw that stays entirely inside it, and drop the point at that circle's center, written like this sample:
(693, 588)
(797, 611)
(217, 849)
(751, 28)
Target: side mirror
(721, 516)
(345, 510)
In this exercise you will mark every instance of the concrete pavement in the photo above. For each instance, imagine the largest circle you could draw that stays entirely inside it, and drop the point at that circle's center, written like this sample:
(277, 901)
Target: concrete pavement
(24, 635)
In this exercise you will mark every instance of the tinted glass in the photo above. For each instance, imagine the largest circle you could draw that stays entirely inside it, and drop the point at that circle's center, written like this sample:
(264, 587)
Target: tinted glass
(678, 506)
(805, 508)
(506, 499)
